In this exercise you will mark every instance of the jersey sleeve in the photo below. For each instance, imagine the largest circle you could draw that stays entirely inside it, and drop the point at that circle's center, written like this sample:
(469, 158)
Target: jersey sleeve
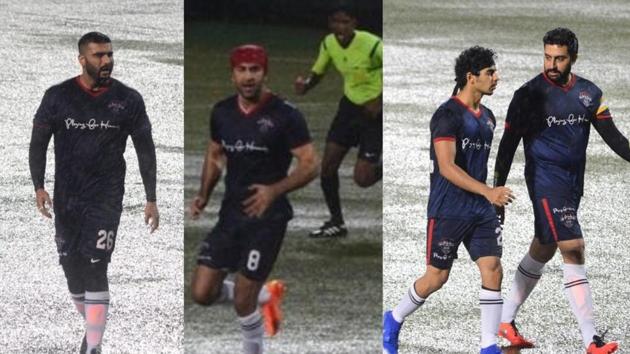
(45, 115)
(376, 55)
(141, 123)
(602, 111)
(444, 126)
(323, 59)
(296, 132)
(214, 126)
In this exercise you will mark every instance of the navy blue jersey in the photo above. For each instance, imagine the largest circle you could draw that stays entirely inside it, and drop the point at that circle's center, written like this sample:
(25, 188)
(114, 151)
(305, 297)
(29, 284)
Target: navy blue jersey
(472, 133)
(257, 146)
(90, 130)
(554, 122)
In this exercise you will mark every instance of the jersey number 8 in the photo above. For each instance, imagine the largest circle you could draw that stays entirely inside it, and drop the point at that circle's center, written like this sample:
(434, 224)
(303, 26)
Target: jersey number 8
(105, 240)
(253, 259)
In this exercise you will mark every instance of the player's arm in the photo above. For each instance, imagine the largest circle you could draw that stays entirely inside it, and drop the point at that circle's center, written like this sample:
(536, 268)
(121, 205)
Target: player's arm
(303, 85)
(40, 137)
(145, 150)
(213, 164)
(305, 171)
(445, 153)
(606, 128)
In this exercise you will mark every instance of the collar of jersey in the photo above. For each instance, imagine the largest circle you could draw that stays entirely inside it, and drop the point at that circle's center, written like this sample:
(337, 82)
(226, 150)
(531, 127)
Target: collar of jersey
(564, 88)
(263, 101)
(461, 103)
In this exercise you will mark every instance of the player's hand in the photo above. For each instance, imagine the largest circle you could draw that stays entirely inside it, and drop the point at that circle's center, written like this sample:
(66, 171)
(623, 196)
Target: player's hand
(42, 199)
(257, 203)
(151, 216)
(500, 196)
(374, 107)
(197, 206)
(500, 213)
(300, 85)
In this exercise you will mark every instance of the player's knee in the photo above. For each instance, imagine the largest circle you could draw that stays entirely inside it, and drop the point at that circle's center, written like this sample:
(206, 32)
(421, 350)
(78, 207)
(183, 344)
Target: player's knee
(439, 278)
(204, 295)
(573, 255)
(74, 275)
(364, 180)
(95, 276)
(244, 304)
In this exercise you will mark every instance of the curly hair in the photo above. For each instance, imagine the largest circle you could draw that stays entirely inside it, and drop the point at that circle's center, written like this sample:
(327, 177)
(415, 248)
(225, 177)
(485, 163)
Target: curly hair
(471, 60)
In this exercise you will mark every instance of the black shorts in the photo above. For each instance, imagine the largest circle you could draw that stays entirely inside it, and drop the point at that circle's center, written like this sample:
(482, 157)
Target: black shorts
(556, 219)
(87, 229)
(444, 236)
(249, 246)
(353, 127)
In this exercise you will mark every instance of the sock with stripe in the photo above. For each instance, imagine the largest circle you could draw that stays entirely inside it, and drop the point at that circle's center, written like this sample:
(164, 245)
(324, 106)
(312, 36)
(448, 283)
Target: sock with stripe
(96, 306)
(252, 329)
(79, 303)
(490, 302)
(409, 303)
(227, 293)
(578, 292)
(526, 277)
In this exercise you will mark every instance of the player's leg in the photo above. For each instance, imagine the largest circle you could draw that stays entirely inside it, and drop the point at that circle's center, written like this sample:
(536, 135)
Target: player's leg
(73, 272)
(530, 269)
(443, 238)
(578, 291)
(246, 305)
(96, 302)
(342, 135)
(207, 285)
(485, 246)
(369, 166)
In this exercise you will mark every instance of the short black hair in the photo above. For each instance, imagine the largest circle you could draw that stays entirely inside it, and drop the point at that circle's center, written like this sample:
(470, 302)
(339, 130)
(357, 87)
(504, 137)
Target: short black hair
(344, 7)
(472, 60)
(563, 36)
(93, 37)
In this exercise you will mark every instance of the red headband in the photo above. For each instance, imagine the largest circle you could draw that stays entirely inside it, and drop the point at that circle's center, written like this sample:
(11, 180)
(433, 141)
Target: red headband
(249, 53)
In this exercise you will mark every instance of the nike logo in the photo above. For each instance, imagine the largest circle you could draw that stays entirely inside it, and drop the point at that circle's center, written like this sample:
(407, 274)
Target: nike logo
(94, 260)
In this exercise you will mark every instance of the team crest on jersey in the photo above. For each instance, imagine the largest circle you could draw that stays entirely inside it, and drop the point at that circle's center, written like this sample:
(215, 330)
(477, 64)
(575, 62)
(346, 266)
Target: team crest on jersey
(490, 124)
(568, 216)
(446, 247)
(265, 124)
(585, 98)
(116, 106)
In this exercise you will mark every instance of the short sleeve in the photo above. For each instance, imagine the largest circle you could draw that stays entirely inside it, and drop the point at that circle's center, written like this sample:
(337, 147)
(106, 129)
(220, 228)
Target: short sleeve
(444, 125)
(141, 123)
(214, 126)
(321, 64)
(296, 132)
(376, 54)
(44, 117)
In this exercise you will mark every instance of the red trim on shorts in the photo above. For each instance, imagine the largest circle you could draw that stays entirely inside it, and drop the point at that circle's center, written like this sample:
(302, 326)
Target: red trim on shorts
(430, 239)
(545, 205)
(476, 114)
(443, 138)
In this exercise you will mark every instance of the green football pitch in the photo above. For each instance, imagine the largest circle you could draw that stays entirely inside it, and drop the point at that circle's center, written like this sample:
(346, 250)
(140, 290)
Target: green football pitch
(333, 302)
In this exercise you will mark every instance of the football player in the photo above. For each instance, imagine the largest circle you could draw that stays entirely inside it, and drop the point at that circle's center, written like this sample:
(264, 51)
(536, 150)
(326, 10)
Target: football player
(91, 116)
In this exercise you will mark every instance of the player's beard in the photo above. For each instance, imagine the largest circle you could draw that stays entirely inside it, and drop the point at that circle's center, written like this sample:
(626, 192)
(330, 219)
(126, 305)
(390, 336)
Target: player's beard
(250, 94)
(95, 73)
(563, 78)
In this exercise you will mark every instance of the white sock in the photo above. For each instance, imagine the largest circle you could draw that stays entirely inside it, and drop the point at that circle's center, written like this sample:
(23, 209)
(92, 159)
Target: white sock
(252, 329)
(578, 292)
(490, 302)
(227, 293)
(527, 275)
(409, 303)
(96, 306)
(79, 303)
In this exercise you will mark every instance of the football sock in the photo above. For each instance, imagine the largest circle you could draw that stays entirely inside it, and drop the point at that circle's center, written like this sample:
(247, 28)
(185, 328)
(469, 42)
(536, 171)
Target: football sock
(252, 329)
(227, 293)
(578, 291)
(96, 306)
(79, 303)
(330, 187)
(527, 275)
(409, 303)
(490, 302)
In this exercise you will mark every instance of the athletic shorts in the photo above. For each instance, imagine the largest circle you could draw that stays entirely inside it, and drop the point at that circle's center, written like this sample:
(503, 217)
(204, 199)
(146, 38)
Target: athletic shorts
(353, 127)
(556, 219)
(87, 229)
(249, 246)
(444, 236)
